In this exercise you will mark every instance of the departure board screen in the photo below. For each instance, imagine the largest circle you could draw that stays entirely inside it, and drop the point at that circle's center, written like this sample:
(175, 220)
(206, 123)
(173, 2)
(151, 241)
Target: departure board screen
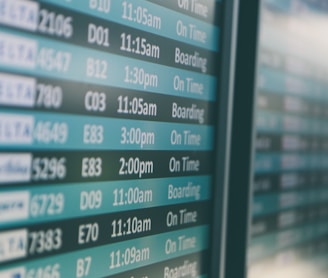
(289, 233)
(108, 137)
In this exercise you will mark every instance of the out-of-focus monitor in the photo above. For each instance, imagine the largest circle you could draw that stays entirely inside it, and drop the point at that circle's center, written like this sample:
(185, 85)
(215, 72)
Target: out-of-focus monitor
(289, 230)
(113, 126)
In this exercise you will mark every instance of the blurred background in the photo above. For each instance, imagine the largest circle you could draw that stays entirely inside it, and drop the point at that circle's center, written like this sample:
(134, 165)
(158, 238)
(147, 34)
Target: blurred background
(289, 230)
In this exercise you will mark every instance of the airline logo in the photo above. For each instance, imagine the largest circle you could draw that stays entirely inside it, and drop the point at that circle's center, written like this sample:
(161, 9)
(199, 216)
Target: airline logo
(13, 273)
(19, 13)
(17, 90)
(13, 245)
(15, 167)
(16, 129)
(14, 206)
(18, 51)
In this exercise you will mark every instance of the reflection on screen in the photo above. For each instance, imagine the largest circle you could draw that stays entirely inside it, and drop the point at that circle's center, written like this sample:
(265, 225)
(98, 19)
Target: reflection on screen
(289, 231)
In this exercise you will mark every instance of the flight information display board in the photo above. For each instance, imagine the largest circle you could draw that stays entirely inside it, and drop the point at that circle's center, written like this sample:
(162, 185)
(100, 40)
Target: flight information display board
(107, 137)
(289, 233)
